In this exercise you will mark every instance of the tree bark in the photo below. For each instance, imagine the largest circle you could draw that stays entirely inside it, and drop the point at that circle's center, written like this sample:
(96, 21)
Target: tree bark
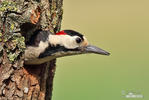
(19, 19)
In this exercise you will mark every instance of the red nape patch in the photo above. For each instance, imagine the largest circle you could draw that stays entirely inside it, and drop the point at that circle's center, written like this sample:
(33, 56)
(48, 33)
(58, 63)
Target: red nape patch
(61, 33)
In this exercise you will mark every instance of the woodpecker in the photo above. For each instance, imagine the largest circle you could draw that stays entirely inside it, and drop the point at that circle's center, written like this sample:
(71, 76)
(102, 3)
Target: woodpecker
(44, 46)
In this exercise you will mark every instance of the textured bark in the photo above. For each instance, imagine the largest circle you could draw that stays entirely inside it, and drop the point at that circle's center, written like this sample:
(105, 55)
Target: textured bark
(19, 19)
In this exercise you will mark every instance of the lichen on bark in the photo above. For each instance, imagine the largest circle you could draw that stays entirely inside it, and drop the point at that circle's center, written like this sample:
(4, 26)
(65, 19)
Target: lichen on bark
(19, 19)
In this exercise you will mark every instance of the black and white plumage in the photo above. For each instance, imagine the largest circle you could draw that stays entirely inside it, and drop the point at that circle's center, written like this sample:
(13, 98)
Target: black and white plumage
(45, 46)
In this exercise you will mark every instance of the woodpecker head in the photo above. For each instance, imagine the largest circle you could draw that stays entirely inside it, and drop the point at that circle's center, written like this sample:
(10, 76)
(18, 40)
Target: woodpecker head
(63, 43)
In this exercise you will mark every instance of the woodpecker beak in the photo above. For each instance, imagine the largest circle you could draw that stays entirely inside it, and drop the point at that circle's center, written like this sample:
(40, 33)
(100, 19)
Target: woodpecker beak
(96, 50)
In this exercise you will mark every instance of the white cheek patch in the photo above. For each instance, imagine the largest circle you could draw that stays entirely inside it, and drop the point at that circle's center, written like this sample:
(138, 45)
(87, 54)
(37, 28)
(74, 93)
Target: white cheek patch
(64, 40)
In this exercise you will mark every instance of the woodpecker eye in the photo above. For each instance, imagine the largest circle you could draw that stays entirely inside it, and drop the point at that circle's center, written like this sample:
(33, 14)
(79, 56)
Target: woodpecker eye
(78, 40)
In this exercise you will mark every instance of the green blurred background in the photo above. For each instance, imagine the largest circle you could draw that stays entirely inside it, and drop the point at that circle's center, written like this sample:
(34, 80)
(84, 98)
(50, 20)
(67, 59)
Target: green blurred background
(118, 26)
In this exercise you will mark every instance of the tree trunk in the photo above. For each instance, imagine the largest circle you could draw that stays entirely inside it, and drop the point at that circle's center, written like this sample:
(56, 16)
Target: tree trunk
(19, 19)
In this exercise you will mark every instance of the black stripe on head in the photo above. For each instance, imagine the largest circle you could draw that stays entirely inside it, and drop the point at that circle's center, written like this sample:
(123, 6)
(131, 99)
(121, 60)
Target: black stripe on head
(52, 50)
(73, 33)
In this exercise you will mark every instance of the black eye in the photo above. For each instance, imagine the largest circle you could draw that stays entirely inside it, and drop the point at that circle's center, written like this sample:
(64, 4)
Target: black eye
(78, 40)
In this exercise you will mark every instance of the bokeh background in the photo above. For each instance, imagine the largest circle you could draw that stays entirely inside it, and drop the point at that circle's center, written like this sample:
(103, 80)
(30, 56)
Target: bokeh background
(118, 26)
